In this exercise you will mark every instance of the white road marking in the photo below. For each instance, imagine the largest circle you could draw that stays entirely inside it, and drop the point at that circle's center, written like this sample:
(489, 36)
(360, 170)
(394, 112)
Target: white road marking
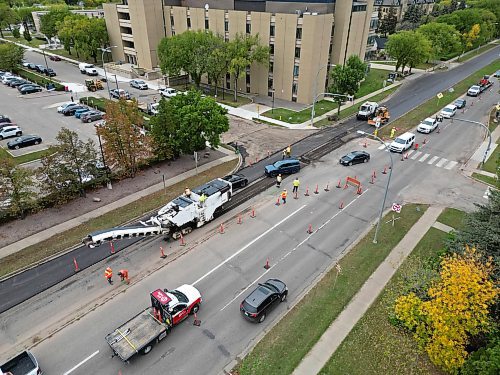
(247, 246)
(416, 155)
(424, 157)
(81, 363)
(433, 159)
(451, 164)
(410, 152)
(440, 163)
(383, 146)
(295, 248)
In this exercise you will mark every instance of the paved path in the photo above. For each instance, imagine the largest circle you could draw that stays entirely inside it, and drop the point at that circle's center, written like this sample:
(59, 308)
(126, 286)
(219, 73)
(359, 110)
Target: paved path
(319, 355)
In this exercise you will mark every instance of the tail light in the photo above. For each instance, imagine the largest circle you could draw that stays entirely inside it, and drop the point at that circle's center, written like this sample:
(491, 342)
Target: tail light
(253, 315)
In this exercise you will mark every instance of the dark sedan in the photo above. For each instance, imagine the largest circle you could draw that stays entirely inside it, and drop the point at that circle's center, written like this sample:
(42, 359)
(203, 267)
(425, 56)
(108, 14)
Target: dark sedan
(23, 141)
(355, 157)
(18, 82)
(237, 180)
(264, 298)
(49, 72)
(91, 116)
(54, 58)
(70, 110)
(460, 103)
(4, 119)
(31, 66)
(29, 89)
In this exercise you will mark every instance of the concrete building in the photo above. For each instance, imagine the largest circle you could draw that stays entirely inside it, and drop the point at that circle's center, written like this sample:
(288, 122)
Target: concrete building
(305, 37)
(91, 13)
(400, 6)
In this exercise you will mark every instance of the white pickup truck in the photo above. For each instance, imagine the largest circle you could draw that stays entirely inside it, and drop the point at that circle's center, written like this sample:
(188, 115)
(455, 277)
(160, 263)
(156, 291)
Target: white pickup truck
(367, 110)
(22, 364)
(87, 69)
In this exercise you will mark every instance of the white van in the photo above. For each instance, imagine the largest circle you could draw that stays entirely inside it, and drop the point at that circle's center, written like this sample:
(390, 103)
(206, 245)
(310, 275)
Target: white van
(403, 142)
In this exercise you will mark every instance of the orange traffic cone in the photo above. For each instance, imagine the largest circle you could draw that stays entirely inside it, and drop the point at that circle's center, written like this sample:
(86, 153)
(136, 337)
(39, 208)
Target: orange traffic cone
(76, 265)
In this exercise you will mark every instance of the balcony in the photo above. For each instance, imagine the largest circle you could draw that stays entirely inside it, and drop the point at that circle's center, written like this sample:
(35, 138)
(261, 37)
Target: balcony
(125, 23)
(127, 37)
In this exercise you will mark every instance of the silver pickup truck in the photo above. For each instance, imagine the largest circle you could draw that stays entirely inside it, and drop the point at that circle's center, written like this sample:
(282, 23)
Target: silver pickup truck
(22, 364)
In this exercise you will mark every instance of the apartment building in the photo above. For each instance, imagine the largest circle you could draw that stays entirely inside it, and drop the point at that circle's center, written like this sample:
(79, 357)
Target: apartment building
(305, 37)
(400, 6)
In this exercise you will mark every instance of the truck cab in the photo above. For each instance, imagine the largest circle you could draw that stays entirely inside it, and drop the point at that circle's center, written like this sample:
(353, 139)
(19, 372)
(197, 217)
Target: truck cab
(366, 110)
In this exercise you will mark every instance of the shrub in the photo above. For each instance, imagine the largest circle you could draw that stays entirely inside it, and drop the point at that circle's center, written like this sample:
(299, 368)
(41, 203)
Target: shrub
(39, 79)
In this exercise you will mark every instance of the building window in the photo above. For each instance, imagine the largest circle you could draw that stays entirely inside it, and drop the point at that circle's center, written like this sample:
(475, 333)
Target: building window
(206, 23)
(228, 76)
(248, 79)
(294, 98)
(295, 88)
(271, 66)
(298, 33)
(271, 49)
(228, 85)
(271, 30)
(270, 83)
(226, 26)
(297, 52)
(172, 21)
(249, 28)
(295, 70)
(248, 90)
(189, 23)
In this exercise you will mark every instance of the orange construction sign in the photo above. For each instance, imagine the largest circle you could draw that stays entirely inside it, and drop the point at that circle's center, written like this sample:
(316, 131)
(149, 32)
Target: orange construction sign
(352, 181)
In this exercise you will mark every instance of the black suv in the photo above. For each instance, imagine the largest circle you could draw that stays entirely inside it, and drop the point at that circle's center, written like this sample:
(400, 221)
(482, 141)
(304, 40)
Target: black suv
(265, 297)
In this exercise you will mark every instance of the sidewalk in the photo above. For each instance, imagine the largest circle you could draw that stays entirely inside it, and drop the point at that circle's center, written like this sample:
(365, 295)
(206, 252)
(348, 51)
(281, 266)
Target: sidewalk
(473, 163)
(69, 224)
(319, 355)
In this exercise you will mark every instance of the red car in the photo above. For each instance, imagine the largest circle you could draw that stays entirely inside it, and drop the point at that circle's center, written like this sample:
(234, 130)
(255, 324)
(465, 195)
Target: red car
(55, 58)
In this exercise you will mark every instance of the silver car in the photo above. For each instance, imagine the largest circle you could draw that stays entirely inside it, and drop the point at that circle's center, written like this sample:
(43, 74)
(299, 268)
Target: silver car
(139, 84)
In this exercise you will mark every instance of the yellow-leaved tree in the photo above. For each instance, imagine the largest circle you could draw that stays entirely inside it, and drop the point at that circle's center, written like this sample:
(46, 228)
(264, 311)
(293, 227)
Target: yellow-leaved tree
(472, 35)
(457, 308)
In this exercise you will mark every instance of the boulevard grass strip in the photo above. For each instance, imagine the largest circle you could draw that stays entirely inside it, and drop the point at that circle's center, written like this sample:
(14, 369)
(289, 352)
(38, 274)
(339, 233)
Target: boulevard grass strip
(487, 179)
(469, 55)
(26, 158)
(492, 164)
(452, 217)
(62, 241)
(433, 105)
(375, 346)
(283, 347)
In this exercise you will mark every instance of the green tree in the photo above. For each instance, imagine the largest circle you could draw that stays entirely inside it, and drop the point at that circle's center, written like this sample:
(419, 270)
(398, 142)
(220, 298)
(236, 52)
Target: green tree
(66, 31)
(389, 23)
(49, 21)
(163, 132)
(245, 50)
(17, 183)
(485, 361)
(93, 35)
(343, 81)
(358, 67)
(7, 17)
(409, 48)
(27, 35)
(187, 122)
(187, 52)
(218, 62)
(15, 33)
(444, 38)
(123, 143)
(11, 56)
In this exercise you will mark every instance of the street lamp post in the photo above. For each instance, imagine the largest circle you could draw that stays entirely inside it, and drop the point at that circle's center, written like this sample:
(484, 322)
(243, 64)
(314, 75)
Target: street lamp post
(104, 50)
(388, 181)
(316, 89)
(272, 108)
(489, 135)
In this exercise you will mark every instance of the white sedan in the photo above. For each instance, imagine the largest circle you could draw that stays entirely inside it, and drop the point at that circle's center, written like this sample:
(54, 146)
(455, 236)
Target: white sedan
(449, 111)
(168, 92)
(428, 125)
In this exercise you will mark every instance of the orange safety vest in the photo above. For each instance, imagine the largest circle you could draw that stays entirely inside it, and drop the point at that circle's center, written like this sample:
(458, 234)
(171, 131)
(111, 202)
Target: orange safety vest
(108, 274)
(124, 274)
(284, 194)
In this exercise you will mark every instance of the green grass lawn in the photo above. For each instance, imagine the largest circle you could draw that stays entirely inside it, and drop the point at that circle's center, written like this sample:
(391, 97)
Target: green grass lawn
(427, 109)
(374, 81)
(375, 346)
(492, 164)
(469, 55)
(452, 217)
(33, 43)
(284, 346)
(489, 180)
(32, 156)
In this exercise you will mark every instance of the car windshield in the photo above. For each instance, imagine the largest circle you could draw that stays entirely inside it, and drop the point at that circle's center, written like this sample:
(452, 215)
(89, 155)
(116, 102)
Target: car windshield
(350, 155)
(427, 122)
(139, 82)
(447, 110)
(475, 87)
(180, 296)
(400, 140)
(364, 108)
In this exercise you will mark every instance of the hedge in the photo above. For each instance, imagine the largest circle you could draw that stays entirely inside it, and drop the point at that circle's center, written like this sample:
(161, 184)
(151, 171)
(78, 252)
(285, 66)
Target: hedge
(39, 79)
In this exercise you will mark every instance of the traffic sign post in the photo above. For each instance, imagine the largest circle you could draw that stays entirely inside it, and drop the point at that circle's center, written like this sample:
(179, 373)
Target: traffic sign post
(395, 208)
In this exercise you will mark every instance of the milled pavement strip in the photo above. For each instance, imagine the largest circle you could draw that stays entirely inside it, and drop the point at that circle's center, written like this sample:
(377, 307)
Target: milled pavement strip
(331, 339)
(50, 232)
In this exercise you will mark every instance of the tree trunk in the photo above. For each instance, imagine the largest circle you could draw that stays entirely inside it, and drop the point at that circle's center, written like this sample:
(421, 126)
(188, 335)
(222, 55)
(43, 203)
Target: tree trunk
(338, 109)
(1, 32)
(235, 89)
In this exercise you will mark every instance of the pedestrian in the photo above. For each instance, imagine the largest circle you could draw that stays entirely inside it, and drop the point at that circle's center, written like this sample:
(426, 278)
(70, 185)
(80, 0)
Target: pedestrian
(283, 154)
(124, 276)
(288, 151)
(203, 198)
(108, 274)
(283, 196)
(393, 132)
(296, 184)
(278, 181)
(72, 98)
(187, 192)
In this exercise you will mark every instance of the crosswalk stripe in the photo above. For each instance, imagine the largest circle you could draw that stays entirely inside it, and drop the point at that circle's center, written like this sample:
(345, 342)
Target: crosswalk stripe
(440, 163)
(433, 159)
(451, 164)
(381, 147)
(410, 152)
(424, 157)
(416, 155)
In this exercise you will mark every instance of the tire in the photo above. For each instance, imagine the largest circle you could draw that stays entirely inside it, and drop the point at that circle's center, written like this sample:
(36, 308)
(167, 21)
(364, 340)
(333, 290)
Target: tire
(243, 184)
(16, 147)
(262, 317)
(366, 160)
(195, 309)
(1, 138)
(349, 164)
(147, 349)
(89, 120)
(36, 142)
(283, 297)
(17, 135)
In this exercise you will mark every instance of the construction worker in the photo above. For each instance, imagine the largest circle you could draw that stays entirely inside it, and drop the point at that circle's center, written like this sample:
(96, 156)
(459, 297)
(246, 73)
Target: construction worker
(124, 276)
(278, 181)
(375, 132)
(288, 151)
(108, 274)
(283, 196)
(187, 192)
(393, 132)
(283, 154)
(203, 198)
(296, 184)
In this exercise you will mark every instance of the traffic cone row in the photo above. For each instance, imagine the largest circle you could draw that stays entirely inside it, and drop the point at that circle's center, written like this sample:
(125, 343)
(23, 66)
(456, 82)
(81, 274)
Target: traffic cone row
(339, 185)
(385, 170)
(307, 191)
(221, 229)
(181, 240)
(75, 263)
(309, 229)
(239, 220)
(316, 191)
(327, 188)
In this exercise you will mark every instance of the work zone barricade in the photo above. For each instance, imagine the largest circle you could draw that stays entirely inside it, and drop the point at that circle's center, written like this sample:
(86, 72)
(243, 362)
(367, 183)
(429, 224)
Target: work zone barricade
(352, 181)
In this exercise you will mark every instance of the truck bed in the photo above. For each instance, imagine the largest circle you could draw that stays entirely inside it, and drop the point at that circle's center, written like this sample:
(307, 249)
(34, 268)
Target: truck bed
(22, 364)
(134, 335)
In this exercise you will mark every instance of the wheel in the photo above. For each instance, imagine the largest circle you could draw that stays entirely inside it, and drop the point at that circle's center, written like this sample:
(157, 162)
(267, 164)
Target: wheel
(17, 135)
(89, 120)
(147, 349)
(366, 160)
(2, 137)
(262, 317)
(36, 142)
(243, 184)
(283, 297)
(195, 309)
(350, 163)
(16, 147)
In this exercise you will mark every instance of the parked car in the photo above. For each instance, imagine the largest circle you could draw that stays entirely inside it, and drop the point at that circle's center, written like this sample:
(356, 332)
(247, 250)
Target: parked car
(237, 180)
(10, 131)
(4, 119)
(70, 110)
(286, 166)
(119, 93)
(449, 111)
(460, 103)
(355, 157)
(29, 89)
(18, 82)
(49, 72)
(403, 142)
(428, 125)
(31, 66)
(139, 84)
(497, 74)
(168, 92)
(23, 141)
(6, 79)
(91, 116)
(54, 58)
(264, 298)
(40, 68)
(65, 105)
(81, 111)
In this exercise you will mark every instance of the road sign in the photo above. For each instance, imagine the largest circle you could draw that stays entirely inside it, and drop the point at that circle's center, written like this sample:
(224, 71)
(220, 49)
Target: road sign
(396, 208)
(440, 95)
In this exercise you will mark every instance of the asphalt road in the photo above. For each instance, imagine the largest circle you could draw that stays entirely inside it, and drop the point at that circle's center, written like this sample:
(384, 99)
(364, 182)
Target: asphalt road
(413, 93)
(232, 263)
